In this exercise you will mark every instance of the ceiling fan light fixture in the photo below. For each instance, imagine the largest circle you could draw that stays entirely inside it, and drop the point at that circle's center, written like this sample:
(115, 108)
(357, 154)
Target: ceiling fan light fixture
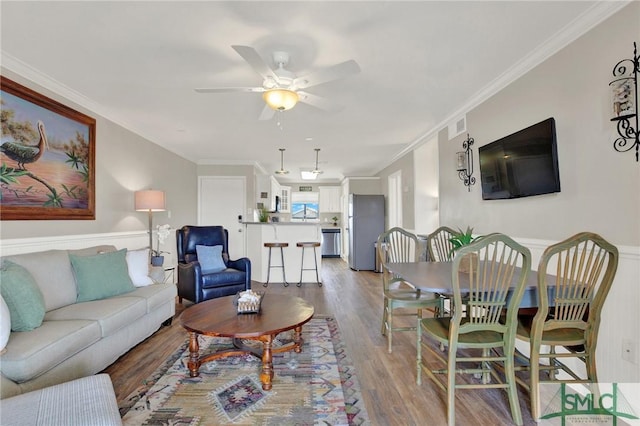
(280, 99)
(282, 171)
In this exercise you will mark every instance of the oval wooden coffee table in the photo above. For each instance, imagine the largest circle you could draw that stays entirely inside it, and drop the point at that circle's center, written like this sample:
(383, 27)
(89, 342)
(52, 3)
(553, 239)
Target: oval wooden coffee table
(219, 317)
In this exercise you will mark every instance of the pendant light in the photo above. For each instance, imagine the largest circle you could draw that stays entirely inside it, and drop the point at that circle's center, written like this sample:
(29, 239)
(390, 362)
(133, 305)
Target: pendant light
(282, 171)
(316, 171)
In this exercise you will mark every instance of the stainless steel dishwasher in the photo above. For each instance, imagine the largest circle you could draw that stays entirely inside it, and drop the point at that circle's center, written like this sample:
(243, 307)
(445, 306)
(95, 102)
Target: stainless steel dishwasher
(331, 242)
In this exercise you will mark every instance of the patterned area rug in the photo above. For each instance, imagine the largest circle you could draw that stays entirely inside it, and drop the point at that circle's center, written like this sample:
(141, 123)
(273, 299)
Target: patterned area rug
(317, 386)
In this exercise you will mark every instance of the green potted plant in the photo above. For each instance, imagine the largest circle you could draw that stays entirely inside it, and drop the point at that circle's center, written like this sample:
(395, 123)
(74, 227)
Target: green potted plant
(335, 220)
(460, 239)
(263, 215)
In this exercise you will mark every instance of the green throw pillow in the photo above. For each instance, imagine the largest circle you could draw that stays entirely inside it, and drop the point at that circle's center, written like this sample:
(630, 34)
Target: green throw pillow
(102, 275)
(22, 296)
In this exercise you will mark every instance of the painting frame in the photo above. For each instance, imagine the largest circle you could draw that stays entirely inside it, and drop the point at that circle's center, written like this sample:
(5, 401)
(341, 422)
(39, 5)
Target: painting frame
(59, 191)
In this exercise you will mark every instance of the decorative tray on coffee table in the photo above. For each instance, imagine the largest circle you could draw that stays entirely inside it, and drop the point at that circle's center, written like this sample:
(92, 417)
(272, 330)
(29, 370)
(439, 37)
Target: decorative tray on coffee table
(248, 302)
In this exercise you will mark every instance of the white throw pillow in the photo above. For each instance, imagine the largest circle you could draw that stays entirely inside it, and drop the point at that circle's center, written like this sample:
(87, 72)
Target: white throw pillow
(5, 324)
(138, 264)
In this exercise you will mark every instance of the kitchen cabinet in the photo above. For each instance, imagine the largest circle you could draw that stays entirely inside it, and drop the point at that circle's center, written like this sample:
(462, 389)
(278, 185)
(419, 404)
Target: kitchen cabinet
(285, 199)
(274, 191)
(330, 199)
(263, 190)
(267, 188)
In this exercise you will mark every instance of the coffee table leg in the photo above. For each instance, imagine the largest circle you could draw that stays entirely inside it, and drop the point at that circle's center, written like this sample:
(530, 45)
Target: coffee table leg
(297, 339)
(267, 362)
(194, 351)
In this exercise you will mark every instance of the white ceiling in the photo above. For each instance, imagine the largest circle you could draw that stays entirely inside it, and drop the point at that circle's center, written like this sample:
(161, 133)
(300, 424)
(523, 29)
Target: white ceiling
(423, 64)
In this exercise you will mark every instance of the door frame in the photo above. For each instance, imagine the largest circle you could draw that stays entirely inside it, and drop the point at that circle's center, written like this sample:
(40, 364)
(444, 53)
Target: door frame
(394, 182)
(242, 179)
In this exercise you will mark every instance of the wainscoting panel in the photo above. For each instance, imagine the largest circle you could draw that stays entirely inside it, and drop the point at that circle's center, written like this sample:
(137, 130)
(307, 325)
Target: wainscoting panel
(128, 240)
(620, 315)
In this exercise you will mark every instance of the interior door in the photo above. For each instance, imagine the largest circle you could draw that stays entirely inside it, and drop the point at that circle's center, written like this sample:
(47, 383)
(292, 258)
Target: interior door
(221, 200)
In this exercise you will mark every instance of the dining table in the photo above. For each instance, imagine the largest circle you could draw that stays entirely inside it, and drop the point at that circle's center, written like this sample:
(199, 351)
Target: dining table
(436, 277)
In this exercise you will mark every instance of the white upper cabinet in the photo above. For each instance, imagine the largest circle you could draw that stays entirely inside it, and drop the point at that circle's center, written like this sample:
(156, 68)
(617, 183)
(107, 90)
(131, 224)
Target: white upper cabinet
(275, 190)
(330, 199)
(285, 199)
(263, 190)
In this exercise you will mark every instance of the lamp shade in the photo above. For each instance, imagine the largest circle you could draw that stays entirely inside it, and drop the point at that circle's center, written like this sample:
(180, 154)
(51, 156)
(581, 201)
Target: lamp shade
(149, 200)
(280, 99)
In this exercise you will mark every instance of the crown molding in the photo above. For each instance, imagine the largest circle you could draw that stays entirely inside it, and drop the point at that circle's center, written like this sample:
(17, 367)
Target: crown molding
(565, 36)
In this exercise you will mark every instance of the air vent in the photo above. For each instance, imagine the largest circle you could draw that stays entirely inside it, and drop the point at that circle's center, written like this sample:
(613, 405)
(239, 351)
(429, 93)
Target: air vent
(458, 127)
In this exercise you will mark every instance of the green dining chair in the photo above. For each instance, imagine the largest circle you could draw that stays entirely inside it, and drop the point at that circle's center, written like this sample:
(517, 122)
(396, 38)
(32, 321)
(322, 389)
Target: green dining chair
(399, 245)
(440, 249)
(439, 245)
(566, 323)
(492, 289)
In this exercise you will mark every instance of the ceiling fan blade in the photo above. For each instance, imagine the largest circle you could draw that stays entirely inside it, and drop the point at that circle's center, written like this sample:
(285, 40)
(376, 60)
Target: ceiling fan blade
(250, 55)
(328, 74)
(267, 113)
(230, 90)
(318, 102)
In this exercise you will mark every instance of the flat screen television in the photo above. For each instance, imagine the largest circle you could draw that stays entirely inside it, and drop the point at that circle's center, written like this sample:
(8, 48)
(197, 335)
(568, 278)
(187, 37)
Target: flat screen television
(522, 164)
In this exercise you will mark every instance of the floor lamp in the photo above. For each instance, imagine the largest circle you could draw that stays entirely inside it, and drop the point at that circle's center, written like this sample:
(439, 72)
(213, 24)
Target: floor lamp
(150, 200)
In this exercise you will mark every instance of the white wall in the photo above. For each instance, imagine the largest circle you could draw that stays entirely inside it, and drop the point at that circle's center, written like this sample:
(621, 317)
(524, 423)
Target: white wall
(125, 162)
(600, 187)
(426, 192)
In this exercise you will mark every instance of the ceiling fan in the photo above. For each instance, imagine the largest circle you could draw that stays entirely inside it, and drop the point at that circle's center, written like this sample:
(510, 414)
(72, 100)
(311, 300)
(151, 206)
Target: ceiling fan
(281, 89)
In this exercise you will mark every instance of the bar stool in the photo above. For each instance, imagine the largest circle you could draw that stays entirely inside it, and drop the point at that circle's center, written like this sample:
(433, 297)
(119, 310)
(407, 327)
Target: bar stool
(304, 245)
(280, 246)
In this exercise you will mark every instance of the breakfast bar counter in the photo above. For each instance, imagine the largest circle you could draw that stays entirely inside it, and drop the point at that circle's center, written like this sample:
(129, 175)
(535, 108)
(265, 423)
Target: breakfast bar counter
(259, 233)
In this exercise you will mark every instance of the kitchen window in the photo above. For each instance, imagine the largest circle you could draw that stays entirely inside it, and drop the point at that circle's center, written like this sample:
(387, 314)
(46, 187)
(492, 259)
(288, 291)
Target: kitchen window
(305, 206)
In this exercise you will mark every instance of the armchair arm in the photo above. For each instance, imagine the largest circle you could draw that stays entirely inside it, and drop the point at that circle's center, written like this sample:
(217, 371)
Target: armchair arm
(242, 264)
(190, 281)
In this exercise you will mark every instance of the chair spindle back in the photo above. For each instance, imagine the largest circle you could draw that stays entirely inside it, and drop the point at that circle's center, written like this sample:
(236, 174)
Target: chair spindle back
(439, 244)
(584, 267)
(498, 268)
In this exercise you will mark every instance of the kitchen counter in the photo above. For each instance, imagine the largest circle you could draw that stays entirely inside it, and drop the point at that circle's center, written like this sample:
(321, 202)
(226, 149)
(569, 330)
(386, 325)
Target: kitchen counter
(258, 233)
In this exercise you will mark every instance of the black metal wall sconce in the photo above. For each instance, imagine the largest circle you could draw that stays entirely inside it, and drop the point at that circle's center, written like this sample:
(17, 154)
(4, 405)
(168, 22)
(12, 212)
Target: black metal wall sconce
(624, 98)
(464, 163)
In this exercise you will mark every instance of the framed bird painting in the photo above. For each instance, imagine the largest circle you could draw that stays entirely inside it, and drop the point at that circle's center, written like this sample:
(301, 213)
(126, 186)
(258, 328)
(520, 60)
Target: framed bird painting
(47, 158)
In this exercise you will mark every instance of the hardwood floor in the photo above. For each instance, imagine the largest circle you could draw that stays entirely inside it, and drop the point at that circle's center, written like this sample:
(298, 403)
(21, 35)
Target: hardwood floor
(387, 381)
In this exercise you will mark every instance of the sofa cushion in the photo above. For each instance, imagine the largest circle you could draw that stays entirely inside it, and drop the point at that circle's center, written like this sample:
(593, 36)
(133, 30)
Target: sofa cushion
(59, 288)
(22, 295)
(210, 258)
(138, 266)
(227, 277)
(30, 354)
(52, 272)
(112, 314)
(155, 295)
(92, 251)
(81, 402)
(5, 324)
(102, 275)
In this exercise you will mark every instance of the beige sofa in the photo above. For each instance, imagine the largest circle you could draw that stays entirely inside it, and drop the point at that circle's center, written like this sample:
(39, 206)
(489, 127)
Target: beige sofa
(77, 339)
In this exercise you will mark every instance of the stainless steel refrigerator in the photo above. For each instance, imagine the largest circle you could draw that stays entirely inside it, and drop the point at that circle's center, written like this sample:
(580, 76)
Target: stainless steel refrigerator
(366, 222)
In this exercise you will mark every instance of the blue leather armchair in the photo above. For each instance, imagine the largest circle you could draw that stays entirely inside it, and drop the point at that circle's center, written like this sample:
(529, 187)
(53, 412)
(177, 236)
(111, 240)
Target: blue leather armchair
(197, 287)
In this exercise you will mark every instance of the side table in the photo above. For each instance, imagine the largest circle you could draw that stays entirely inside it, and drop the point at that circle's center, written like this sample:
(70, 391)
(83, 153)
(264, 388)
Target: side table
(169, 274)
